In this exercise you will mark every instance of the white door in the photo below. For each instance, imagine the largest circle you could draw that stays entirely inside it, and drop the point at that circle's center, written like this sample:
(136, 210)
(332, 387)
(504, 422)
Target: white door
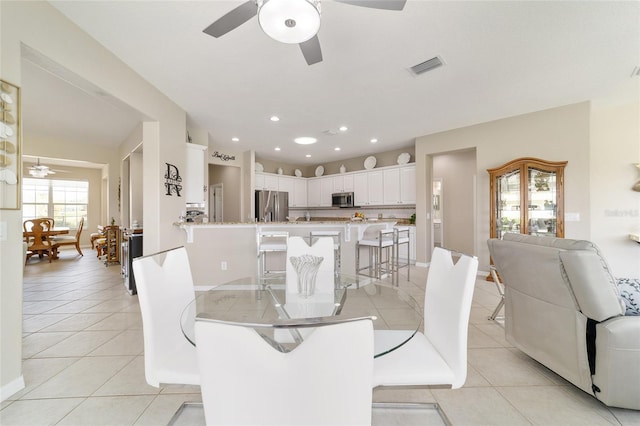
(216, 206)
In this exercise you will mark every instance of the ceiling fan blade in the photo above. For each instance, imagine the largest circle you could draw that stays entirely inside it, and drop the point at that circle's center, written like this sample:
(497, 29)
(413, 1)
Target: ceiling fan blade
(377, 4)
(233, 19)
(311, 50)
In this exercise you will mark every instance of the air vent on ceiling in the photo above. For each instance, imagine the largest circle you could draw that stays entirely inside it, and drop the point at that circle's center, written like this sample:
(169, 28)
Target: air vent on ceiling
(427, 65)
(330, 132)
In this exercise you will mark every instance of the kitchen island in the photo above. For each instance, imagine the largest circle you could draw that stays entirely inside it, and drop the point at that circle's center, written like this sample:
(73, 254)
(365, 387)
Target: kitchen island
(222, 252)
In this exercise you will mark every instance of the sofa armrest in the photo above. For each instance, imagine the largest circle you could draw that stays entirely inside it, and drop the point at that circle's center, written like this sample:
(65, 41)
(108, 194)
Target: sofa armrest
(617, 374)
(594, 288)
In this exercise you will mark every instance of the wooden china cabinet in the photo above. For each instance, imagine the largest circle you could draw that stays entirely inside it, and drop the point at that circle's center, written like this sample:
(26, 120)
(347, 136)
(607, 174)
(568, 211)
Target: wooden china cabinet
(527, 197)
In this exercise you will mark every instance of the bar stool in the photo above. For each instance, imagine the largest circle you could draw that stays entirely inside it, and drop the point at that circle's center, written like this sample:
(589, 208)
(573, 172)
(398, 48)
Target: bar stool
(378, 240)
(270, 242)
(401, 236)
(337, 236)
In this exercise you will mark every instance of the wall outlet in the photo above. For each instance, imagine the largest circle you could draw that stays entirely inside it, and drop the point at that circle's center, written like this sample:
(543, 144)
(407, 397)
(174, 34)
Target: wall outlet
(223, 265)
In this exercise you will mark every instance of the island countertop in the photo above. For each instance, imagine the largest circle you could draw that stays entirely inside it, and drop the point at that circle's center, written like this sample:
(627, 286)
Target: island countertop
(221, 252)
(190, 227)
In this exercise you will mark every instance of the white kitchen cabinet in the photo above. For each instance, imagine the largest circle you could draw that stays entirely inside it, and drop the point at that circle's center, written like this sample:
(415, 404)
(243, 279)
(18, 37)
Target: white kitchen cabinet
(412, 246)
(194, 175)
(343, 183)
(326, 189)
(361, 189)
(391, 192)
(408, 184)
(375, 182)
(368, 188)
(286, 184)
(338, 183)
(271, 182)
(266, 181)
(313, 193)
(348, 184)
(258, 181)
(400, 185)
(300, 192)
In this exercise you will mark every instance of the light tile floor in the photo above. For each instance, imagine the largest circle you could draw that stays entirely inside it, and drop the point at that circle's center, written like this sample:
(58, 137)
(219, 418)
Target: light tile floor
(83, 361)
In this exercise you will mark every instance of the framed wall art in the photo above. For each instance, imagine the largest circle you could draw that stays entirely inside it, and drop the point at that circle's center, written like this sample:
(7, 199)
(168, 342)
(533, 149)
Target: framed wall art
(10, 146)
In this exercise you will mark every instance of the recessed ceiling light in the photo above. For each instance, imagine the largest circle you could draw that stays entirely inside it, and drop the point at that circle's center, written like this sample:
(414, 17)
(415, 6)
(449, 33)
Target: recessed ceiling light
(343, 128)
(374, 140)
(337, 148)
(235, 139)
(305, 140)
(277, 148)
(308, 155)
(274, 118)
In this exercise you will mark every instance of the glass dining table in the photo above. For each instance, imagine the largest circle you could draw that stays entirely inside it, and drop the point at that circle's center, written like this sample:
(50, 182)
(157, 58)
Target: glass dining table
(266, 306)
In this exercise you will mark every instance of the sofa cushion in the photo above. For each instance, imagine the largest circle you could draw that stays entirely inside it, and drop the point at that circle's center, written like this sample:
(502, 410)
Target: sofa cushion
(630, 293)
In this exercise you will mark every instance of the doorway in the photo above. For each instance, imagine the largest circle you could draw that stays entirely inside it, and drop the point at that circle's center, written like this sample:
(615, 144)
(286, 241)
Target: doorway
(454, 171)
(437, 213)
(216, 203)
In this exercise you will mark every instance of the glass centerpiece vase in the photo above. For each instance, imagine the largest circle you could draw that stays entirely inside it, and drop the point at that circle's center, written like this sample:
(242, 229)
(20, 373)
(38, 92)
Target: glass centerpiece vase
(306, 267)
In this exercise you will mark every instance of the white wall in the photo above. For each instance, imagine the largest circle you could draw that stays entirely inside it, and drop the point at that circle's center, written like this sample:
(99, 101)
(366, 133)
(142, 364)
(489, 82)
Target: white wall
(615, 208)
(163, 137)
(600, 147)
(136, 196)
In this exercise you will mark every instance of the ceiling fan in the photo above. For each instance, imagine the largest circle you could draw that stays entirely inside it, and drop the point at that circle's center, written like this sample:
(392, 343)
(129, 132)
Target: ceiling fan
(290, 21)
(41, 171)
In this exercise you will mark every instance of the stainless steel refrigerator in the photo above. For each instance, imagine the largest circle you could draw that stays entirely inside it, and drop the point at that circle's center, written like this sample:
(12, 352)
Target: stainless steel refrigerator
(272, 206)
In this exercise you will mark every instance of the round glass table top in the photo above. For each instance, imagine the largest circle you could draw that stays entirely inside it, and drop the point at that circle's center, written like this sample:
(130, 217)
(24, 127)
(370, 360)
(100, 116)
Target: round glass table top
(266, 304)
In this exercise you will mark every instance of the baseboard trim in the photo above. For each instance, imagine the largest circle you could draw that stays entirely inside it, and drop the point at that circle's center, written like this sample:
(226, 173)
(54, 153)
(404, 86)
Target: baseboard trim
(11, 388)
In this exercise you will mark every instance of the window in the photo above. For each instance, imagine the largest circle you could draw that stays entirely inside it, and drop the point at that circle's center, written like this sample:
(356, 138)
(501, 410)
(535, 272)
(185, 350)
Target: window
(65, 201)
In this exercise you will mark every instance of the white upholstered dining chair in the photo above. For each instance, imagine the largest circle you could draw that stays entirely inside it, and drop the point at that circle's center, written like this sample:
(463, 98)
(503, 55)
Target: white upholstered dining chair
(165, 288)
(439, 355)
(326, 380)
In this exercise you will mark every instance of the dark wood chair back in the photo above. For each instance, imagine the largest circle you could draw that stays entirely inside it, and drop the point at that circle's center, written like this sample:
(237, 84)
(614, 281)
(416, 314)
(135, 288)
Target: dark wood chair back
(39, 241)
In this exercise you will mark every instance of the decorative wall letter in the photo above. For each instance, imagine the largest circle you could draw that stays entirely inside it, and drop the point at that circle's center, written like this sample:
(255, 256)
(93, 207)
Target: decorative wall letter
(172, 180)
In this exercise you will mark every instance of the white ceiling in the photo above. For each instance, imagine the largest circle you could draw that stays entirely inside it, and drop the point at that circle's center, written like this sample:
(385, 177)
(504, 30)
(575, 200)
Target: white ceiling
(502, 59)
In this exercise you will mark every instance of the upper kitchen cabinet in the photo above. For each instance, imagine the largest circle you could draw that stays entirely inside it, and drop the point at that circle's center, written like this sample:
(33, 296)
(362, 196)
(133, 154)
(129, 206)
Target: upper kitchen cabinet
(297, 189)
(527, 197)
(299, 192)
(326, 189)
(266, 181)
(408, 184)
(400, 185)
(195, 174)
(314, 193)
(368, 188)
(343, 183)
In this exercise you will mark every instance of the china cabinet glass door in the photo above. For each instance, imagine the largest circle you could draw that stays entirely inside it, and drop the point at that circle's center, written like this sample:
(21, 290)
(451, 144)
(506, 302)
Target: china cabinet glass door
(527, 198)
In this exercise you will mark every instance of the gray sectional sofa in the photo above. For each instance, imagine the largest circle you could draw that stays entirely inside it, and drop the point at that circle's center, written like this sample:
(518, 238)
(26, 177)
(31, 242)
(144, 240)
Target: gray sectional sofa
(562, 308)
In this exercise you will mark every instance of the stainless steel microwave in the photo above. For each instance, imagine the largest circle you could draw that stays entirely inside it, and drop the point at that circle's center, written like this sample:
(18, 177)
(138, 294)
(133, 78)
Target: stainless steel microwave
(342, 199)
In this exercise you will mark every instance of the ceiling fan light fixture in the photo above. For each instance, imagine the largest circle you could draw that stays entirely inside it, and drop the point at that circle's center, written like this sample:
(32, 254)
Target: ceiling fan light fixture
(289, 21)
(38, 173)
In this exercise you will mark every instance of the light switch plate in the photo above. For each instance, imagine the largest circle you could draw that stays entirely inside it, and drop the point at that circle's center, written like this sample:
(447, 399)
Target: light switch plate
(3, 231)
(572, 217)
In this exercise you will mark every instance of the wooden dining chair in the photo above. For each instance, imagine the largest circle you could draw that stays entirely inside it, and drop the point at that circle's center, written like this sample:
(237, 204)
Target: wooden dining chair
(39, 239)
(69, 240)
